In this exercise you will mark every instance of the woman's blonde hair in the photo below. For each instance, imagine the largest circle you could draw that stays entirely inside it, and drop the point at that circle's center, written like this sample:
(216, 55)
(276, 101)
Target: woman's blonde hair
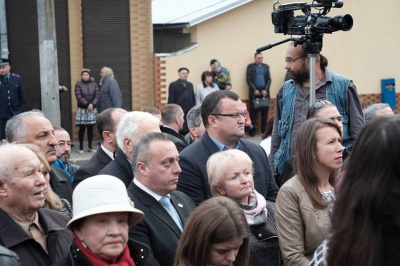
(219, 163)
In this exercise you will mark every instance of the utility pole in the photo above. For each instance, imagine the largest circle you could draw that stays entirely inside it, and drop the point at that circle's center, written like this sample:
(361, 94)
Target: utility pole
(48, 61)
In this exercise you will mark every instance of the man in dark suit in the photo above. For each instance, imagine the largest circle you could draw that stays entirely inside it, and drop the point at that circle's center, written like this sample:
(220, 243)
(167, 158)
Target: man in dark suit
(156, 169)
(181, 92)
(173, 119)
(224, 117)
(33, 127)
(130, 129)
(12, 97)
(107, 124)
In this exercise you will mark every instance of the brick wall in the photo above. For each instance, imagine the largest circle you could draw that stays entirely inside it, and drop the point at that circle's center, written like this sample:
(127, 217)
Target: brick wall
(142, 55)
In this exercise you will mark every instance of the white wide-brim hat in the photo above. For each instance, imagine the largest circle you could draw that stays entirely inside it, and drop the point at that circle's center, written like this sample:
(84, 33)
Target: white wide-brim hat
(102, 194)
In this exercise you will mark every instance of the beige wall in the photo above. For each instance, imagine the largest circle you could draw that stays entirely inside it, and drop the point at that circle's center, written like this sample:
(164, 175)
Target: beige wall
(367, 53)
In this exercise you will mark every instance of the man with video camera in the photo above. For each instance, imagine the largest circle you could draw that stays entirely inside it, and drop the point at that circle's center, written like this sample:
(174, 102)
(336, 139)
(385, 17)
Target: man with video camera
(292, 103)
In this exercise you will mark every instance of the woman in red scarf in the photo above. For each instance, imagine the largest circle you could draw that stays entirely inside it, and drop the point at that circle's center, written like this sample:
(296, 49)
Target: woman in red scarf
(101, 219)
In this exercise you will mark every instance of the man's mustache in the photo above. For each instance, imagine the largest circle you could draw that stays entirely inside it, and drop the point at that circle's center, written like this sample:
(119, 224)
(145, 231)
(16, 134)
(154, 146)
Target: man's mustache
(50, 148)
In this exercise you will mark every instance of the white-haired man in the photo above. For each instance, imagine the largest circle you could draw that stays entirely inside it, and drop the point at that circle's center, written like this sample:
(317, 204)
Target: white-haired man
(38, 235)
(130, 129)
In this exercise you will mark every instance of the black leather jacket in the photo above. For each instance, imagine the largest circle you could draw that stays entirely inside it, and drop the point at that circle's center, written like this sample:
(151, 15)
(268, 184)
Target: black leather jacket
(8, 257)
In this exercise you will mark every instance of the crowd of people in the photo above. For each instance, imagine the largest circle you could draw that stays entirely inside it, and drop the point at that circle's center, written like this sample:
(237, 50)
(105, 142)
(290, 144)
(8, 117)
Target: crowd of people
(182, 186)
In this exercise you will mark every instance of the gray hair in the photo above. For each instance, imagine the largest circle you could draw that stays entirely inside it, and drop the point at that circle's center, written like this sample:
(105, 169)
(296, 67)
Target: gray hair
(6, 166)
(370, 111)
(193, 117)
(141, 152)
(217, 64)
(15, 127)
(107, 71)
(169, 112)
(129, 125)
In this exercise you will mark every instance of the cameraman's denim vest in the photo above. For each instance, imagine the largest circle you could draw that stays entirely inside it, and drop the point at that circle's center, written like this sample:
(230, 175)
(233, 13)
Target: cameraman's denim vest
(335, 93)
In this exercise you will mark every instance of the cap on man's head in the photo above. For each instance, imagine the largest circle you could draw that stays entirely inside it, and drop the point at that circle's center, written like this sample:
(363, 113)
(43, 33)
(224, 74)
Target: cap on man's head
(183, 68)
(4, 62)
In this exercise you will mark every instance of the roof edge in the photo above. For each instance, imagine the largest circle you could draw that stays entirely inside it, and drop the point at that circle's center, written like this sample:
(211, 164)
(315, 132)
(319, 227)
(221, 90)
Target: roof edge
(217, 13)
(182, 51)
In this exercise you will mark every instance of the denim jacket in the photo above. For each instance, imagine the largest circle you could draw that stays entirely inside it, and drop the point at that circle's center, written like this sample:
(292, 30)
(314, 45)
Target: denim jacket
(335, 93)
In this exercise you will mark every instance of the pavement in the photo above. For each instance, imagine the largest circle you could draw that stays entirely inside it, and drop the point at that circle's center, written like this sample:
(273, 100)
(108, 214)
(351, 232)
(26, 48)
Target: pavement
(80, 158)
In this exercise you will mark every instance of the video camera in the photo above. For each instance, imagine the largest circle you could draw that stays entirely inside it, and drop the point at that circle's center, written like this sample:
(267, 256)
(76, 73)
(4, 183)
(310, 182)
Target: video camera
(285, 22)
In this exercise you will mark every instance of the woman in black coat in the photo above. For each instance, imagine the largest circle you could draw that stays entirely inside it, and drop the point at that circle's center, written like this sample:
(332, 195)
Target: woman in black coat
(87, 96)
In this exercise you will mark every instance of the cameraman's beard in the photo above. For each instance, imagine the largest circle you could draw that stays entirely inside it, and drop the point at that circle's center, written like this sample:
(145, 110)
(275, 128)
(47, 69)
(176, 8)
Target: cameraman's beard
(302, 75)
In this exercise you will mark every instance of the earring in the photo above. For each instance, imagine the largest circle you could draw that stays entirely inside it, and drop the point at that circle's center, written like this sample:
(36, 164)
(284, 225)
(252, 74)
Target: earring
(84, 244)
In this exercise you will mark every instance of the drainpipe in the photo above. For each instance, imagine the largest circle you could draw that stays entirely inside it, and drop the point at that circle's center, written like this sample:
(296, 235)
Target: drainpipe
(3, 30)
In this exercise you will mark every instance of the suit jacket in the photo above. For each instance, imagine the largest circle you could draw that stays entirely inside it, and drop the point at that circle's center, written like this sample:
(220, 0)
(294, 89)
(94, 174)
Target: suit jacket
(120, 167)
(193, 179)
(12, 97)
(177, 139)
(158, 230)
(92, 167)
(60, 183)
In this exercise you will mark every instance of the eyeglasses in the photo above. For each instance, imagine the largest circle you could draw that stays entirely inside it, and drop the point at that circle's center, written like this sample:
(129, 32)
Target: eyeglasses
(235, 115)
(320, 103)
(289, 60)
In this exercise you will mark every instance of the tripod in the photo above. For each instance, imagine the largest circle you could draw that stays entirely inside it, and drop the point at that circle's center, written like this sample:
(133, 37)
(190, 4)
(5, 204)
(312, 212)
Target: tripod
(312, 45)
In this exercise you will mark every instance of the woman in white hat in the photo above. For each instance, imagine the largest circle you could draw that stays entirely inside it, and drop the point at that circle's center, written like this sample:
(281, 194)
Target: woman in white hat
(101, 219)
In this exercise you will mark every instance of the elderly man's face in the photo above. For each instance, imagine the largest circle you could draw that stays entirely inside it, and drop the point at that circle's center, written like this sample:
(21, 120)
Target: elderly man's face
(145, 125)
(26, 190)
(39, 131)
(63, 144)
(183, 74)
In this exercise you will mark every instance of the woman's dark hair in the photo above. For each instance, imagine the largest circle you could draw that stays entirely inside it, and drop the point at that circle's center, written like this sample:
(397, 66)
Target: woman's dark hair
(268, 128)
(216, 220)
(366, 216)
(305, 162)
(204, 75)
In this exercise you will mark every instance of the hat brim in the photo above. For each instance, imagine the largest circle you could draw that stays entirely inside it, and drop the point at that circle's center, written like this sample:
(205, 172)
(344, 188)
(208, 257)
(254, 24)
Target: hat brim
(135, 215)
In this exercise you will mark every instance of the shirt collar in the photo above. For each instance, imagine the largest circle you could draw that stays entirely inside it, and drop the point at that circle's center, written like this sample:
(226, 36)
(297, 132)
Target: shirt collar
(222, 147)
(147, 190)
(109, 153)
(25, 225)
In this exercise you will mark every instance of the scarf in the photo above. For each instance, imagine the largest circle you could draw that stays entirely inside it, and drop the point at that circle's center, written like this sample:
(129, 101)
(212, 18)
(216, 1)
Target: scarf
(255, 211)
(123, 260)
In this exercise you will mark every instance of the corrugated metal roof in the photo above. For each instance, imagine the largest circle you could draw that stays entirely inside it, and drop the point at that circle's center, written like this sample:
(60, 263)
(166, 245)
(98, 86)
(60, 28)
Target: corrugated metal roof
(190, 12)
